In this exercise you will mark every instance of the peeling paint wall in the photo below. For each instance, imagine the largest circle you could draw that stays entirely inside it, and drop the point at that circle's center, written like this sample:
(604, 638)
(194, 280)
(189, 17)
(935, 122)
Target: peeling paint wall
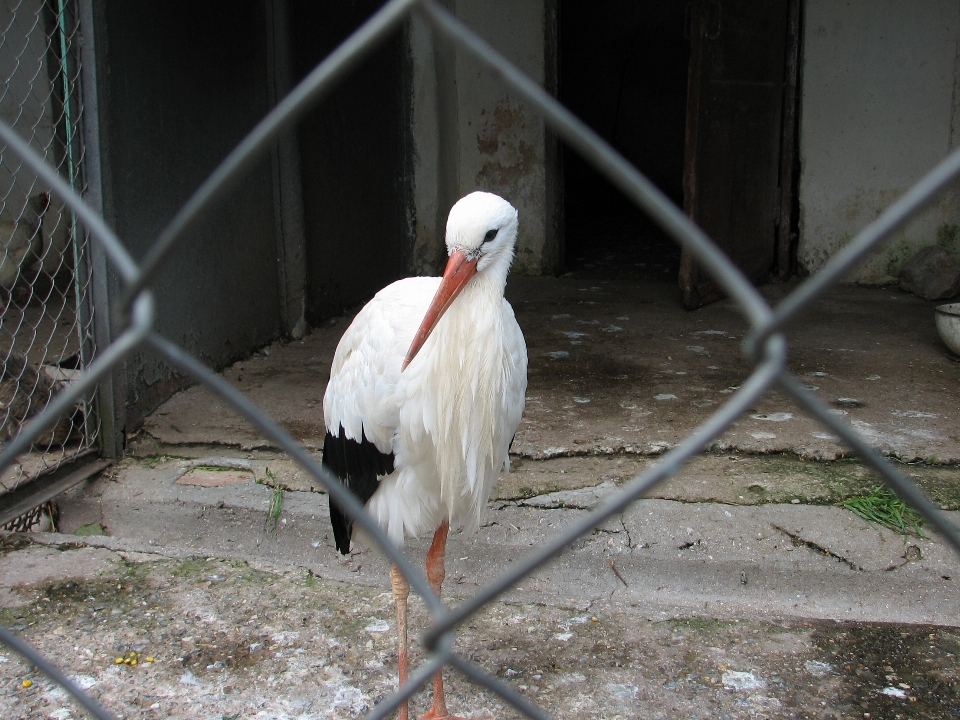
(470, 133)
(879, 109)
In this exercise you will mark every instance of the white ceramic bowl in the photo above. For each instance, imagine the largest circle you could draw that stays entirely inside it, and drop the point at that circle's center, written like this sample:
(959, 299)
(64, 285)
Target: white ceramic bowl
(948, 325)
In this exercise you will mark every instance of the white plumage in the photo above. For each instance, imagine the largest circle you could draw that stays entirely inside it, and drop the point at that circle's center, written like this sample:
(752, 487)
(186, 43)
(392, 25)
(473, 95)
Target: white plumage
(426, 392)
(449, 418)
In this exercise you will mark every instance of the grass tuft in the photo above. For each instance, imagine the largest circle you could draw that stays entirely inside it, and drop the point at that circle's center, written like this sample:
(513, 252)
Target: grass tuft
(276, 502)
(882, 506)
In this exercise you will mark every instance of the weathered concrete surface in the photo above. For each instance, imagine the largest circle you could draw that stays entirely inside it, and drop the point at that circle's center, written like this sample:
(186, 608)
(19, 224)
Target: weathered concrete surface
(738, 589)
(670, 610)
(617, 366)
(676, 558)
(731, 478)
(878, 109)
(230, 639)
(42, 565)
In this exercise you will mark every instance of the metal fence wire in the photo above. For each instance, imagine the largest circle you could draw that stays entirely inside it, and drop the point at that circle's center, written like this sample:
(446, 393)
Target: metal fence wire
(765, 344)
(45, 323)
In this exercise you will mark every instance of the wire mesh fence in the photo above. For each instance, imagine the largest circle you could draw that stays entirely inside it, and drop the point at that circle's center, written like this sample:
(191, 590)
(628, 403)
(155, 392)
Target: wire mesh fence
(45, 322)
(766, 343)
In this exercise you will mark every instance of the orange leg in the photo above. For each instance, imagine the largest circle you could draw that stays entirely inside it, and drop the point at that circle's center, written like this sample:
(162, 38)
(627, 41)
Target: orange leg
(401, 590)
(435, 574)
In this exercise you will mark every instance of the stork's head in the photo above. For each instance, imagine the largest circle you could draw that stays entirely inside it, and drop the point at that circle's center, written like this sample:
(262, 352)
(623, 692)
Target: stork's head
(481, 235)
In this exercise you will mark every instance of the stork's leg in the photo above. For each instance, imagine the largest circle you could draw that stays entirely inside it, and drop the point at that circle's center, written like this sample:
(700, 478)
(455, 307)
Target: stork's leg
(401, 590)
(435, 574)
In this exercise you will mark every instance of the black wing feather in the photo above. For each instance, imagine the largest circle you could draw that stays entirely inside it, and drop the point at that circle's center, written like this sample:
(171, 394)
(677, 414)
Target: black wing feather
(359, 465)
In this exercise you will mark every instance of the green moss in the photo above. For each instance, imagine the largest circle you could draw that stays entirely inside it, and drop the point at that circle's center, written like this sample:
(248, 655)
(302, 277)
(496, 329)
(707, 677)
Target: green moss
(192, 568)
(948, 237)
(60, 600)
(700, 623)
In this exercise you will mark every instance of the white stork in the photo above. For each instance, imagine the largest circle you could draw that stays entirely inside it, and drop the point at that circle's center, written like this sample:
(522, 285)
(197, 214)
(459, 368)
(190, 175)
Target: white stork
(425, 395)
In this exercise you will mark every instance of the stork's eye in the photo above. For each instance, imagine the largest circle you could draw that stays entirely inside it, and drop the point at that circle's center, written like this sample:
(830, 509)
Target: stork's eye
(491, 234)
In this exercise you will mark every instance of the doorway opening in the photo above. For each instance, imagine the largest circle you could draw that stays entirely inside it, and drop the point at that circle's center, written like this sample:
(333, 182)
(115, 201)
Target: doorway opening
(623, 71)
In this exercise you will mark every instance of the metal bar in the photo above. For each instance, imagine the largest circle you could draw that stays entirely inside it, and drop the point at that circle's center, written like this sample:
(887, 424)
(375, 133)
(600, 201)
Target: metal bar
(32, 495)
(287, 187)
(321, 79)
(22, 648)
(69, 132)
(79, 249)
(107, 400)
(762, 378)
(907, 490)
(608, 161)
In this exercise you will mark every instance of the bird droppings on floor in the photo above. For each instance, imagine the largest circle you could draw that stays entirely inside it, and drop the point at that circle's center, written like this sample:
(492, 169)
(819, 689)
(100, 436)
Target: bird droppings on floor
(230, 639)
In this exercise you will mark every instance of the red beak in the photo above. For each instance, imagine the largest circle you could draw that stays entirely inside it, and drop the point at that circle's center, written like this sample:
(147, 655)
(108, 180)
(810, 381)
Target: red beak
(458, 272)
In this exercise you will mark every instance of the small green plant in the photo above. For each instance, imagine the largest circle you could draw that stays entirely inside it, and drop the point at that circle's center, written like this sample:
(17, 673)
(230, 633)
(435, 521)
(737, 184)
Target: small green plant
(882, 506)
(276, 502)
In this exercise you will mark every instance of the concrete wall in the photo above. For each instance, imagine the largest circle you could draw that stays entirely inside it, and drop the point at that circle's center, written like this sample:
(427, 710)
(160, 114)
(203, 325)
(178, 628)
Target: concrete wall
(471, 133)
(879, 109)
(180, 84)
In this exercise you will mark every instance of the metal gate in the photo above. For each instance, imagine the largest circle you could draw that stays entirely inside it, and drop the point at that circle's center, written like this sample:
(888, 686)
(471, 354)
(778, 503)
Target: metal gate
(45, 318)
(765, 344)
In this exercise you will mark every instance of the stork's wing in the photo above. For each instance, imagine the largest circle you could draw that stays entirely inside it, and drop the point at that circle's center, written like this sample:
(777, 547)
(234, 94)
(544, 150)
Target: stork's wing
(515, 390)
(359, 465)
(361, 405)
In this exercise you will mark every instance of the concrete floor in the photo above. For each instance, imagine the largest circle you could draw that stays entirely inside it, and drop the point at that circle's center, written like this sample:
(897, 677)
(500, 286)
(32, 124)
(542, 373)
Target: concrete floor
(617, 366)
(738, 589)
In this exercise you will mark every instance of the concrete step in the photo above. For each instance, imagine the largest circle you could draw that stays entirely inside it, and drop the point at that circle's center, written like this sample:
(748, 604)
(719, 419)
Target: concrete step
(665, 558)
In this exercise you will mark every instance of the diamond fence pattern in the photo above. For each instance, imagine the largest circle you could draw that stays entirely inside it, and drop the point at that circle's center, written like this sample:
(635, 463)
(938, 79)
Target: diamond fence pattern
(45, 323)
(765, 345)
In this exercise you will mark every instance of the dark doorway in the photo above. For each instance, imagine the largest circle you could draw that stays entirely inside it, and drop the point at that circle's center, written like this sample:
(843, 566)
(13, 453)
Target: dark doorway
(623, 71)
(700, 96)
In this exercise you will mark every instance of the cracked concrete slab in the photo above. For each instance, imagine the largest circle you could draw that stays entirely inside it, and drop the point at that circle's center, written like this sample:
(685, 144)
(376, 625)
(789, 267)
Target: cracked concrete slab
(675, 558)
(735, 479)
(832, 531)
(222, 638)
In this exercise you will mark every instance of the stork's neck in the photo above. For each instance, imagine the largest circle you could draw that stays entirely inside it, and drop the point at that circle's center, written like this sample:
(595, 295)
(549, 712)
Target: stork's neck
(469, 335)
(491, 282)
(463, 383)
(493, 278)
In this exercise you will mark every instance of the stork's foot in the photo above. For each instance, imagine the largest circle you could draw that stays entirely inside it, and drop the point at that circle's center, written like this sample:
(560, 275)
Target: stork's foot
(431, 714)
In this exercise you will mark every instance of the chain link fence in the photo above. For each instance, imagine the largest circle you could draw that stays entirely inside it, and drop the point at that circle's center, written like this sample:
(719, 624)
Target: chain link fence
(45, 320)
(765, 344)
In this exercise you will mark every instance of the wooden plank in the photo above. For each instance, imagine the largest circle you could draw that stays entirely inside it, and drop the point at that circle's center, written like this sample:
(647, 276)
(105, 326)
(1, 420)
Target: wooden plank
(732, 160)
(788, 145)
